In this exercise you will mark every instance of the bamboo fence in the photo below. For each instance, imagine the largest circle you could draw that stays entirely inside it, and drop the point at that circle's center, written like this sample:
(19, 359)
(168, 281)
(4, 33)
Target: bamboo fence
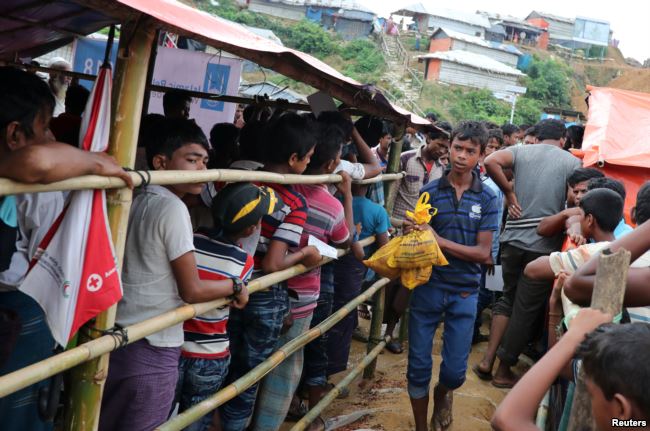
(197, 411)
(31, 374)
(86, 182)
(331, 395)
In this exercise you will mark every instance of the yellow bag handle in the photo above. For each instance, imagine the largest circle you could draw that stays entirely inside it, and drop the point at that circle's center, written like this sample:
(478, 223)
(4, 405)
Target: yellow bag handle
(423, 210)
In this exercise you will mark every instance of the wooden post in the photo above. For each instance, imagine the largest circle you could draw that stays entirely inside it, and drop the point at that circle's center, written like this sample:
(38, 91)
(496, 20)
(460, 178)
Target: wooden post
(378, 303)
(609, 289)
(87, 380)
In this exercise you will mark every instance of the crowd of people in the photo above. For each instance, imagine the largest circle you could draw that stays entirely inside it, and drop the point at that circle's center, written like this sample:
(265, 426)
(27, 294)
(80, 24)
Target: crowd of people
(498, 201)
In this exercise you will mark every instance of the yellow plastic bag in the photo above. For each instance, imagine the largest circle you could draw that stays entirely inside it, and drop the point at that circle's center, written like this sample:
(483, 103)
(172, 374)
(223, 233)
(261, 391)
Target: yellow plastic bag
(418, 249)
(412, 278)
(378, 262)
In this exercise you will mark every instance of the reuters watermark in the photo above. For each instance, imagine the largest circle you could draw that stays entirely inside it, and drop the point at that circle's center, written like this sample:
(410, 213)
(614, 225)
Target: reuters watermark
(629, 423)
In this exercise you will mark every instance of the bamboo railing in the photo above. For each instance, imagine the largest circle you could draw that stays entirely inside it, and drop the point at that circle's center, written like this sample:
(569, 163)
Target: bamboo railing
(27, 376)
(87, 182)
(345, 382)
(198, 410)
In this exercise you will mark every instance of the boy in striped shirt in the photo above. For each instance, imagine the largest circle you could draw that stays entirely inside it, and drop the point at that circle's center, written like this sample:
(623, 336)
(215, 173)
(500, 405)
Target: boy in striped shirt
(205, 356)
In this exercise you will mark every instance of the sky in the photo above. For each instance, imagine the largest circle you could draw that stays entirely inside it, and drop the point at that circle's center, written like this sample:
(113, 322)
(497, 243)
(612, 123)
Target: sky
(629, 19)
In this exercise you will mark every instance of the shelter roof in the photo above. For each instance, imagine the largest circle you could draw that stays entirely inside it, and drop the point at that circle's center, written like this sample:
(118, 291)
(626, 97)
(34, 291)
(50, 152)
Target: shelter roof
(550, 16)
(618, 129)
(33, 27)
(477, 41)
(471, 59)
(454, 15)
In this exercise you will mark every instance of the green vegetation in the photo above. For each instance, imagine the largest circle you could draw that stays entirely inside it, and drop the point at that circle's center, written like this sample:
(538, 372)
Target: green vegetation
(548, 82)
(358, 59)
(454, 104)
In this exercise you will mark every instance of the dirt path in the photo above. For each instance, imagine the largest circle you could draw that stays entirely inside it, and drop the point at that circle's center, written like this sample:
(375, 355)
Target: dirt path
(474, 402)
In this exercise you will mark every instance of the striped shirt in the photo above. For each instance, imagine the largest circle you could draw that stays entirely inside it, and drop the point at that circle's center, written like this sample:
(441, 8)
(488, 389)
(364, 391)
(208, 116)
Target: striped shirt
(417, 176)
(326, 222)
(460, 222)
(217, 258)
(285, 224)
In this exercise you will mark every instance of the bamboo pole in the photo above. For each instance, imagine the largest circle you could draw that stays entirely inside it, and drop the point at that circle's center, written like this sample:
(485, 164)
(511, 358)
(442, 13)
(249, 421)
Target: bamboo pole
(378, 304)
(609, 289)
(331, 395)
(197, 411)
(12, 382)
(84, 401)
(374, 338)
(8, 187)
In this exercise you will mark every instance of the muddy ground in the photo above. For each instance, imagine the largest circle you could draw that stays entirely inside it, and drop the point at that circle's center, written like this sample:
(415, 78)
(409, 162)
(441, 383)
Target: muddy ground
(474, 402)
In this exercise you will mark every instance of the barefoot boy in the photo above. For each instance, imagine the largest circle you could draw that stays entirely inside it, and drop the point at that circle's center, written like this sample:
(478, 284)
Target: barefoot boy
(463, 226)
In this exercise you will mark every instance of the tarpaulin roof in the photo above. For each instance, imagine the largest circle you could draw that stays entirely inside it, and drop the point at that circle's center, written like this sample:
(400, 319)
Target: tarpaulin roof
(617, 138)
(618, 129)
(33, 23)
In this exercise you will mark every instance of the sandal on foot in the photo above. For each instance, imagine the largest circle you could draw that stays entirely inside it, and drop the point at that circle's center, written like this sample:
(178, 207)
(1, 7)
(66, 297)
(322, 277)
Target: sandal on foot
(483, 375)
(395, 347)
(503, 385)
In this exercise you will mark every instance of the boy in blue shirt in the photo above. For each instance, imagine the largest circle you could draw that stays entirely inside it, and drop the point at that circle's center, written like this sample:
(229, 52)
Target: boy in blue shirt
(464, 226)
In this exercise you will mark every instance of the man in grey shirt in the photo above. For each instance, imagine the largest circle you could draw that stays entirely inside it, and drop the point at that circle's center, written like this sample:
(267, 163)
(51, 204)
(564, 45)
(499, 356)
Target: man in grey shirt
(539, 190)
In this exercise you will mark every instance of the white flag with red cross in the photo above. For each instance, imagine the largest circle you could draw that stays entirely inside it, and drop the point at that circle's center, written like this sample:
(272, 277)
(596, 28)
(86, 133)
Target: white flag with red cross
(74, 274)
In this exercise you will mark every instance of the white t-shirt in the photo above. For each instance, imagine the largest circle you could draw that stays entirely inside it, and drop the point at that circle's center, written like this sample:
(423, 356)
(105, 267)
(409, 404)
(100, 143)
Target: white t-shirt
(36, 213)
(355, 170)
(159, 232)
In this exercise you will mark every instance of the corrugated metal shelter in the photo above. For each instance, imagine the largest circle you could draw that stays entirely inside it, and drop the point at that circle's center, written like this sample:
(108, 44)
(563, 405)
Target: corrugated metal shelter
(349, 24)
(463, 22)
(449, 40)
(560, 29)
(471, 70)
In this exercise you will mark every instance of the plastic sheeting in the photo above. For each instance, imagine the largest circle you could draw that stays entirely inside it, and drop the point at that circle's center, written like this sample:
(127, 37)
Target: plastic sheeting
(617, 138)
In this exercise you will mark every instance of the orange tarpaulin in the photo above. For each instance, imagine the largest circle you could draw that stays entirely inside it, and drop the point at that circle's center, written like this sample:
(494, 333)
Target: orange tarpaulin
(617, 137)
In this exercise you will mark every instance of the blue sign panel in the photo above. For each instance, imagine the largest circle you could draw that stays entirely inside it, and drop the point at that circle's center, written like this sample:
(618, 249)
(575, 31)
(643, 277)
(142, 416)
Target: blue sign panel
(216, 81)
(89, 56)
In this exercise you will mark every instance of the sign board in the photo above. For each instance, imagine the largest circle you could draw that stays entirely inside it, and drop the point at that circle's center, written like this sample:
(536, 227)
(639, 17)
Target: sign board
(198, 71)
(591, 31)
(89, 56)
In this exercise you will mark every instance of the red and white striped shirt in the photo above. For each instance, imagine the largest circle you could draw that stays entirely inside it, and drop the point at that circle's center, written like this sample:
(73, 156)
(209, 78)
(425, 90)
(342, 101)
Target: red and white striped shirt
(217, 258)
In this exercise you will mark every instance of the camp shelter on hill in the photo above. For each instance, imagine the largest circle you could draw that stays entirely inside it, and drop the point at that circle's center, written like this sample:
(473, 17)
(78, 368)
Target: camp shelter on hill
(428, 19)
(449, 40)
(534, 30)
(53, 23)
(617, 137)
(472, 70)
(347, 18)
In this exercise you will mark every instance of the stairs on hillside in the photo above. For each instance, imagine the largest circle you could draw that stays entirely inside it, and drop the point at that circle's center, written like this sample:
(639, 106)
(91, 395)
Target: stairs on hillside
(405, 81)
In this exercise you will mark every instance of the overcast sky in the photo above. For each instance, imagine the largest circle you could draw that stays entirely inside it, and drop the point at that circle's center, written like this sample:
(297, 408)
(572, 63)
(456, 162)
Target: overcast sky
(629, 19)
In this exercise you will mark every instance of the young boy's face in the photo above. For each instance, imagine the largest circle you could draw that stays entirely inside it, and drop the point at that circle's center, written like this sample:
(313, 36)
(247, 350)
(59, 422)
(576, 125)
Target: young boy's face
(299, 165)
(464, 155)
(492, 146)
(578, 191)
(189, 157)
(384, 141)
(437, 147)
(603, 410)
(17, 139)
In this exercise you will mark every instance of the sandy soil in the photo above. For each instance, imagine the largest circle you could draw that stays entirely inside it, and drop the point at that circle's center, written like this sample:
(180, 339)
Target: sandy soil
(474, 402)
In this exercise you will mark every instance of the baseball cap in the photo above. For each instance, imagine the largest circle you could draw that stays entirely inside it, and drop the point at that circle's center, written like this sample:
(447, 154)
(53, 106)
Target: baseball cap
(240, 205)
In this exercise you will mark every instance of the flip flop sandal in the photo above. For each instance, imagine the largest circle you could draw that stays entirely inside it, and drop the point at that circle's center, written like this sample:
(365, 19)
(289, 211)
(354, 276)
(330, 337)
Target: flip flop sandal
(395, 347)
(481, 374)
(503, 385)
